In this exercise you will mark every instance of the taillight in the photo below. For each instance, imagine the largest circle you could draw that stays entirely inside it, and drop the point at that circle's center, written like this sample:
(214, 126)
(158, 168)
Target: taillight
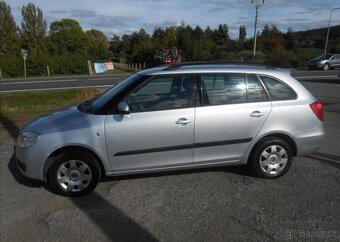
(317, 108)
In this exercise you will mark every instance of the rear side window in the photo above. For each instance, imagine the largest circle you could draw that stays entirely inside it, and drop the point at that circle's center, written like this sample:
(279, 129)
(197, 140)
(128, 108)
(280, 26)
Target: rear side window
(256, 92)
(224, 89)
(277, 90)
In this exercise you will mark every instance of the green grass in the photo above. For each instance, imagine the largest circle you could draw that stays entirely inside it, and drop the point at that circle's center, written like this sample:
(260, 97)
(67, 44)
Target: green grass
(16, 109)
(117, 71)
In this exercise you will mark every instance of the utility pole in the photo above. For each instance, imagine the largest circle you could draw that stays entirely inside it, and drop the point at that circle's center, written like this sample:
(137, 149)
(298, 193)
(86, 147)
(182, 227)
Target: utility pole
(329, 26)
(257, 4)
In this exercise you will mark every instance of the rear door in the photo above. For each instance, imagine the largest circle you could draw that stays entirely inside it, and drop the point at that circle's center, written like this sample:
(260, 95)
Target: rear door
(233, 108)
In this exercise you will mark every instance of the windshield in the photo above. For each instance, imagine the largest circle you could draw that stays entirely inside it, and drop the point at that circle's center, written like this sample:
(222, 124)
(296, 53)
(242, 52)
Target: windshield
(101, 100)
(324, 57)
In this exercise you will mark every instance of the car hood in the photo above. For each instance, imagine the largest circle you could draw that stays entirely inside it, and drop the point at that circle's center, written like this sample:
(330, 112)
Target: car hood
(69, 118)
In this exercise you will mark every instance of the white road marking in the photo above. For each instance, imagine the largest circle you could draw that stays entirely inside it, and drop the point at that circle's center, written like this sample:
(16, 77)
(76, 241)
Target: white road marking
(37, 82)
(58, 88)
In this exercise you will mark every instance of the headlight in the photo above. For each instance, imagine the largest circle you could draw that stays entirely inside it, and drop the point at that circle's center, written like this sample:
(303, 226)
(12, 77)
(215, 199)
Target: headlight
(27, 139)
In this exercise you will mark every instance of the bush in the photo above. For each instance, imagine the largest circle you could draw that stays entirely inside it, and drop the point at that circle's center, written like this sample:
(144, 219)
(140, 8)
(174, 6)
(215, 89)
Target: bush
(68, 64)
(11, 65)
(285, 59)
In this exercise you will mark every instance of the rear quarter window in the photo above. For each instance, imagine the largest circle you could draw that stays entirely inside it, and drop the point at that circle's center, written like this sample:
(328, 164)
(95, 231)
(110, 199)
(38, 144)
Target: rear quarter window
(277, 90)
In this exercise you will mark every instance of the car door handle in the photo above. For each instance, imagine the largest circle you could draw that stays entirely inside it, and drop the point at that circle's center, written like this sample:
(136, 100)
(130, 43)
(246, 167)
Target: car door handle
(256, 114)
(183, 121)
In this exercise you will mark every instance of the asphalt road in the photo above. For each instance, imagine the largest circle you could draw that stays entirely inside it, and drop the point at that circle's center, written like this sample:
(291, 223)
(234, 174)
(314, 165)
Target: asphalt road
(224, 204)
(105, 81)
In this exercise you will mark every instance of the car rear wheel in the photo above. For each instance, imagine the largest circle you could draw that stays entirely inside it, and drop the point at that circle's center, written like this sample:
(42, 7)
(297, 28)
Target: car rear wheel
(73, 174)
(271, 158)
(326, 67)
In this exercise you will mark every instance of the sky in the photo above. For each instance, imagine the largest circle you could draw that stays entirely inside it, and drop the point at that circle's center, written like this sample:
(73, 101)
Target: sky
(125, 16)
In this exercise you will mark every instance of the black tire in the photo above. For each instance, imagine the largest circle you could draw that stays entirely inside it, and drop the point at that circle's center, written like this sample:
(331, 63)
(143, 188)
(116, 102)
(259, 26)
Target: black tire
(92, 169)
(326, 67)
(265, 144)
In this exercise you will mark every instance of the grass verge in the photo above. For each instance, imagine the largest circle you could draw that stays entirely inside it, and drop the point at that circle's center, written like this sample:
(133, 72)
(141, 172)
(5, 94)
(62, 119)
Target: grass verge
(16, 109)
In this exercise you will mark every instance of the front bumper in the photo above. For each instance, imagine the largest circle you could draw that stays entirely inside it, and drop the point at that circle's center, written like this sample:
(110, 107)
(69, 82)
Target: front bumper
(314, 65)
(30, 162)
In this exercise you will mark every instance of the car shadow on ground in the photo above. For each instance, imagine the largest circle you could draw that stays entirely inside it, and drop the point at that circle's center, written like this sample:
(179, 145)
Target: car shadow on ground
(112, 222)
(10, 126)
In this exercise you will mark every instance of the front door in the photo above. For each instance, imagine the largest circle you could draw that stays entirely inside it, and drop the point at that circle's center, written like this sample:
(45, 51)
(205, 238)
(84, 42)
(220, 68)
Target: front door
(233, 109)
(160, 128)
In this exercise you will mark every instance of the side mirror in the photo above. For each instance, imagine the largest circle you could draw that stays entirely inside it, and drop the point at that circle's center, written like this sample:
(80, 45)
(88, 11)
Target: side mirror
(123, 108)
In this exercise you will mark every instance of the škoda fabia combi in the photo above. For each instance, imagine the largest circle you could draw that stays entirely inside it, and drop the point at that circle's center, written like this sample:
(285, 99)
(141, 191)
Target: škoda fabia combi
(171, 118)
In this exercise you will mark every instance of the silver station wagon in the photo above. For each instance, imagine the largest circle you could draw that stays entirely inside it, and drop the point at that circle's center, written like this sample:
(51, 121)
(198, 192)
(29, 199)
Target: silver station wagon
(172, 118)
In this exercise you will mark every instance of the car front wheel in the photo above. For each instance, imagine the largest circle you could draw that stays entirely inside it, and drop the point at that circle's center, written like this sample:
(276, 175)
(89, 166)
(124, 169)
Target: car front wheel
(326, 67)
(271, 158)
(73, 174)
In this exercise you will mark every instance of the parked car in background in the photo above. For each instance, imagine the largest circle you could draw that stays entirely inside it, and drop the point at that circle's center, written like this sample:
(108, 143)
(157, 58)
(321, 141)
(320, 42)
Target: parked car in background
(175, 117)
(325, 62)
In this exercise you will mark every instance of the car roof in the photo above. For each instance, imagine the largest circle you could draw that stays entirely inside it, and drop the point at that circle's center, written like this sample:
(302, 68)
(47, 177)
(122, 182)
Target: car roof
(192, 68)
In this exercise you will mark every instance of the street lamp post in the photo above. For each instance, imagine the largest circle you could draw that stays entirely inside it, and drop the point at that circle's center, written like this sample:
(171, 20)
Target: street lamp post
(257, 4)
(329, 26)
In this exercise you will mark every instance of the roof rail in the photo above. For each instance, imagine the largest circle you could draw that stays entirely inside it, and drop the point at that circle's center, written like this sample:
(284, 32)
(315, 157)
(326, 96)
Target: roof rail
(175, 66)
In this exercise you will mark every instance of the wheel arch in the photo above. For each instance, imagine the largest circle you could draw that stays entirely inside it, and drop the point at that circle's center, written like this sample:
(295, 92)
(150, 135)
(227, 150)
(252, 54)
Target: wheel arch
(73, 148)
(289, 140)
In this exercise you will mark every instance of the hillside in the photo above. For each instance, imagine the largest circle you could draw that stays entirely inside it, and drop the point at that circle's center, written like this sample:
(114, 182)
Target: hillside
(315, 38)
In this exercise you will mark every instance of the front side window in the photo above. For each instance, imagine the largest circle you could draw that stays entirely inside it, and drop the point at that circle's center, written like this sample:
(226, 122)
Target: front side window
(277, 90)
(160, 93)
(221, 89)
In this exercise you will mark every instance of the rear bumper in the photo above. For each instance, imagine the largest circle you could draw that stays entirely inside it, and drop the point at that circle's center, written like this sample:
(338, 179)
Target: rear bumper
(310, 141)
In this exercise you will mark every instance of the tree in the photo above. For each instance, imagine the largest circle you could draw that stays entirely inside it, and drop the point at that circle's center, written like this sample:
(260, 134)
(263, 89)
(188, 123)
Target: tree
(289, 39)
(33, 29)
(67, 36)
(8, 29)
(221, 35)
(208, 32)
(139, 47)
(242, 34)
(10, 56)
(170, 38)
(275, 32)
(98, 44)
(116, 47)
(184, 42)
(266, 32)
